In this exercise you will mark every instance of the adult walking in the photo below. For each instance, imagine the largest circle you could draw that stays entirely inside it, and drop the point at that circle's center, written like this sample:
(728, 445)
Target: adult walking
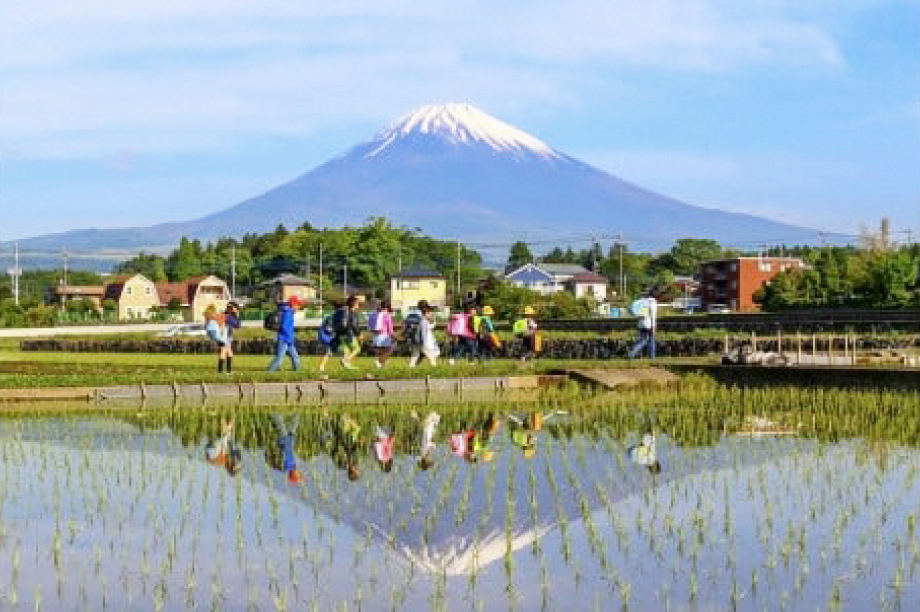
(287, 338)
(646, 308)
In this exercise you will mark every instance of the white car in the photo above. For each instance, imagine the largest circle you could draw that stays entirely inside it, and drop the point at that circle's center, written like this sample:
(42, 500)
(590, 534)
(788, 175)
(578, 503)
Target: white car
(183, 329)
(718, 309)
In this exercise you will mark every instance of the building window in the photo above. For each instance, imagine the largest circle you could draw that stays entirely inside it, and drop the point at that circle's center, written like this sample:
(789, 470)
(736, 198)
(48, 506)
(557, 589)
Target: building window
(765, 266)
(733, 267)
(410, 284)
(434, 284)
(129, 290)
(146, 290)
(130, 311)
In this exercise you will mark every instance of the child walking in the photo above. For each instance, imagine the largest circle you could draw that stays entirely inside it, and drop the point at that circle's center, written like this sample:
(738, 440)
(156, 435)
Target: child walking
(429, 344)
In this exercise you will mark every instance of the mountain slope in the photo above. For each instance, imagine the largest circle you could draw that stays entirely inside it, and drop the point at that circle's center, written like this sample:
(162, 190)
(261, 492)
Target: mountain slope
(455, 172)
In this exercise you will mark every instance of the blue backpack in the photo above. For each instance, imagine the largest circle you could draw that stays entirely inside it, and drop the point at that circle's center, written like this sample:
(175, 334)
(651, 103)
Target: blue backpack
(326, 334)
(372, 321)
(638, 308)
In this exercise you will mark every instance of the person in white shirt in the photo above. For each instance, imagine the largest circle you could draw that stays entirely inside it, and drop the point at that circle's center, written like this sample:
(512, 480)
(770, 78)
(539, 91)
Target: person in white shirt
(429, 344)
(648, 321)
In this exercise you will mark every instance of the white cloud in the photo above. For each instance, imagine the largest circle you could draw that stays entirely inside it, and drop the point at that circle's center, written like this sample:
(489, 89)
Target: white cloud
(160, 75)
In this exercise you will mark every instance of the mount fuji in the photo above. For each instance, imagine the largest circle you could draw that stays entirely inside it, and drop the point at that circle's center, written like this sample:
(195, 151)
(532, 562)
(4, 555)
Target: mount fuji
(455, 172)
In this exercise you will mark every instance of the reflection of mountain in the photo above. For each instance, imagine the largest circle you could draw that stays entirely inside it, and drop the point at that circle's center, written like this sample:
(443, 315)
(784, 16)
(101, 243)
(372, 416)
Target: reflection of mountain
(418, 514)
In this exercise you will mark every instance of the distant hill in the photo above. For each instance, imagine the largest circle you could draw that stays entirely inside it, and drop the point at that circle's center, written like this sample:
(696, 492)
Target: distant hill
(455, 172)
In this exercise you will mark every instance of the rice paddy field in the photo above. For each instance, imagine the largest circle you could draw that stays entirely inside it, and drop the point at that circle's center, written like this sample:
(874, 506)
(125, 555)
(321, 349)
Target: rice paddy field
(701, 497)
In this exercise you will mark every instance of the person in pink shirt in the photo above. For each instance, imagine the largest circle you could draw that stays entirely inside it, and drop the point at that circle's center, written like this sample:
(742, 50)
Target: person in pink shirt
(384, 335)
(383, 448)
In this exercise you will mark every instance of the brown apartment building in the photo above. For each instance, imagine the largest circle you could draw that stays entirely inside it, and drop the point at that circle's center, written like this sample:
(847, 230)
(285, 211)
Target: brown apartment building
(733, 282)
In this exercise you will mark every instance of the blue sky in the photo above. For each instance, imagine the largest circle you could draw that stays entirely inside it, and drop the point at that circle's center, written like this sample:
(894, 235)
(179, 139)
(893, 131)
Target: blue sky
(118, 113)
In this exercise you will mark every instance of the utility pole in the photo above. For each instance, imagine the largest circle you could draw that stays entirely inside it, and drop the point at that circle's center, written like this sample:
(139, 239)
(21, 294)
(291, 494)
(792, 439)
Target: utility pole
(233, 271)
(15, 272)
(593, 254)
(320, 280)
(345, 280)
(459, 298)
(622, 278)
(65, 256)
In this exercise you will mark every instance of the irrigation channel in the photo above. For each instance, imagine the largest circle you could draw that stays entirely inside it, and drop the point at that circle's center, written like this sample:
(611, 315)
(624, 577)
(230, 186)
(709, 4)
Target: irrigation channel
(699, 496)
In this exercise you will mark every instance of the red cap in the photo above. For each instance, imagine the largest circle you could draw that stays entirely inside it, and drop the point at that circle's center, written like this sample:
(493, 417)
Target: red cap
(294, 477)
(295, 302)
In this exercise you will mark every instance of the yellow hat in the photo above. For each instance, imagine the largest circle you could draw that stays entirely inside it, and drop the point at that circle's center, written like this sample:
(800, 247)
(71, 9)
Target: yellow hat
(487, 456)
(528, 310)
(487, 310)
(530, 452)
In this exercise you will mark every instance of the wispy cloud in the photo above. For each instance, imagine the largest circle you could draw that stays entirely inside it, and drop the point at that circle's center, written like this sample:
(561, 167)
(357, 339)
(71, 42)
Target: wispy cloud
(82, 79)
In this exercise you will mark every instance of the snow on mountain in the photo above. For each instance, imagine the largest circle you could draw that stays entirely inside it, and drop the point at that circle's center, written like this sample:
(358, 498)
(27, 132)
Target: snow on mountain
(457, 173)
(460, 123)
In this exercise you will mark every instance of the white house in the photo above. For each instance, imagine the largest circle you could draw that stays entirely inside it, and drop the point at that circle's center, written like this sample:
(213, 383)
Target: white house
(545, 278)
(588, 285)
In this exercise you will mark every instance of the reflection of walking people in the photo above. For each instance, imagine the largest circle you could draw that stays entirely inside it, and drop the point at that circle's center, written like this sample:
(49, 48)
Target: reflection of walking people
(222, 452)
(474, 444)
(645, 454)
(286, 339)
(346, 442)
(426, 444)
(284, 458)
(646, 308)
(523, 429)
(384, 445)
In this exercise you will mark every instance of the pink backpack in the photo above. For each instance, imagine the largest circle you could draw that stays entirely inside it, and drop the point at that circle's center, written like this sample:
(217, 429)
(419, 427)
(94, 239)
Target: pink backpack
(457, 324)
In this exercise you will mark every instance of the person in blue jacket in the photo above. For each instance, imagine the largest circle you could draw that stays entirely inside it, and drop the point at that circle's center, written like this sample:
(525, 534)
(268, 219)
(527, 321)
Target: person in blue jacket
(287, 338)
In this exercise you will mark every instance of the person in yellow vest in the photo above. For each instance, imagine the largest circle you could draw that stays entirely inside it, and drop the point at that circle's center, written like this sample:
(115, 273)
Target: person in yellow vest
(526, 329)
(488, 340)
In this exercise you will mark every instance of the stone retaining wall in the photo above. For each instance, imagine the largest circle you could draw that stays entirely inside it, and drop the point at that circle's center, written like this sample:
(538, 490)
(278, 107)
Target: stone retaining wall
(554, 348)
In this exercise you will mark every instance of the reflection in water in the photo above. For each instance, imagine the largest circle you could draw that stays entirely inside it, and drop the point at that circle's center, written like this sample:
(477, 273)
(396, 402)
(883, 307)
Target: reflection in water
(400, 510)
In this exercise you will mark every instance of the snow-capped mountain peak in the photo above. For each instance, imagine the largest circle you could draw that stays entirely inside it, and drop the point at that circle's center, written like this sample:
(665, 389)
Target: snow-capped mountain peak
(460, 123)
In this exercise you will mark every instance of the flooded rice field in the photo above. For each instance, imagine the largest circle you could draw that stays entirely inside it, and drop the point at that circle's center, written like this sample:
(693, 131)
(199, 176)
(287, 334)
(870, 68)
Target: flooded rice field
(698, 499)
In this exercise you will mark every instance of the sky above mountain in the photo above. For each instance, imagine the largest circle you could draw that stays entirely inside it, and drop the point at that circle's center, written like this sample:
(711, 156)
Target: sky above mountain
(117, 114)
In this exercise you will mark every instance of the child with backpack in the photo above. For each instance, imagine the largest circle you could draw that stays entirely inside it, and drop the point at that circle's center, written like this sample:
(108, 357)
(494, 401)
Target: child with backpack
(344, 334)
(460, 329)
(286, 339)
(525, 328)
(487, 339)
(420, 336)
(380, 324)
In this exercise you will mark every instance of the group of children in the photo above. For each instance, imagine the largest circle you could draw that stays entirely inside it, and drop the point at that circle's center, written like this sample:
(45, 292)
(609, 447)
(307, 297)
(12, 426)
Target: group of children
(471, 334)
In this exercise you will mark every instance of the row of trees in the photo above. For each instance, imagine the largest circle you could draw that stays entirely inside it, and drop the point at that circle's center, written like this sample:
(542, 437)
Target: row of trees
(639, 270)
(847, 277)
(371, 253)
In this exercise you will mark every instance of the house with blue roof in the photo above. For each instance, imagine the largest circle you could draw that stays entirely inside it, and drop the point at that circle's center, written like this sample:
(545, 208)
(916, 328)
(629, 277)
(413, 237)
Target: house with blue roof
(547, 278)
